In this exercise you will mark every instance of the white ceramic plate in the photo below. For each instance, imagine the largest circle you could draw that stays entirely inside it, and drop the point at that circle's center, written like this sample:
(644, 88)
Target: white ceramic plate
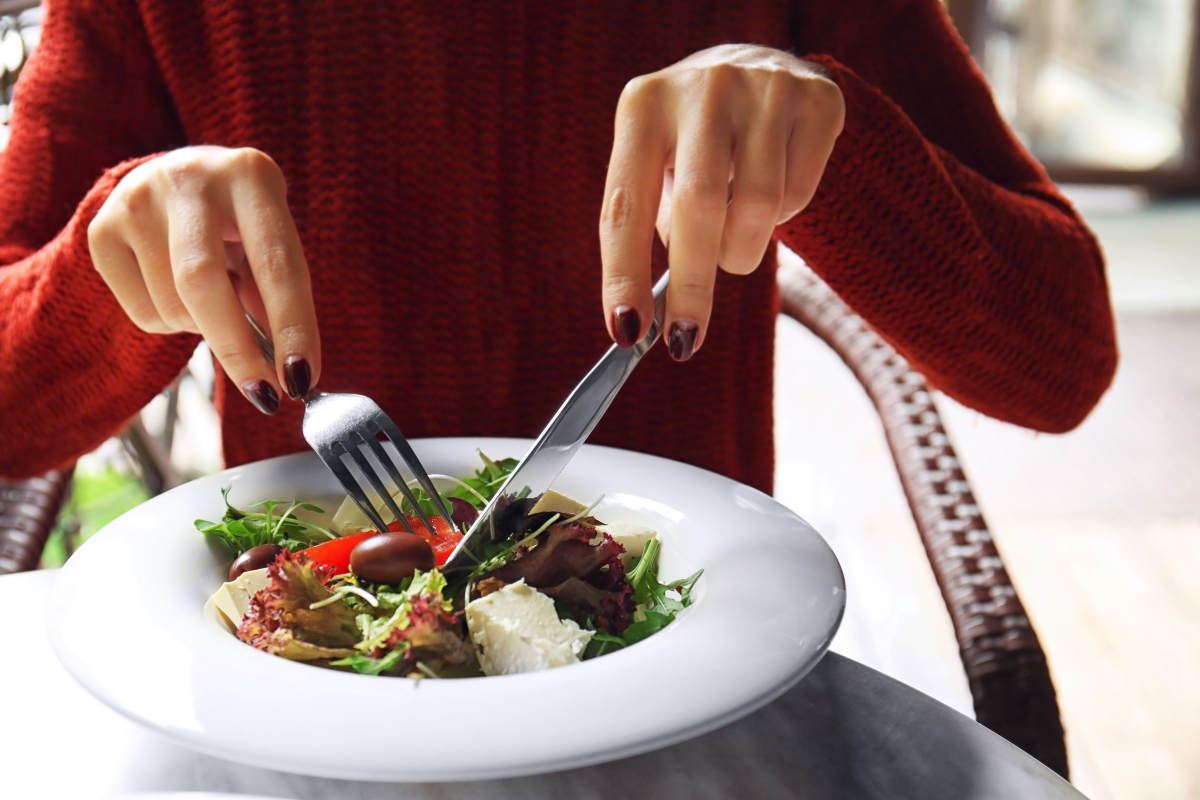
(127, 622)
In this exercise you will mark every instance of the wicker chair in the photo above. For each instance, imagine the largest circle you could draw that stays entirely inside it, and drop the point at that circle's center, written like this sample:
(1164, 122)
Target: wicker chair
(1006, 668)
(28, 511)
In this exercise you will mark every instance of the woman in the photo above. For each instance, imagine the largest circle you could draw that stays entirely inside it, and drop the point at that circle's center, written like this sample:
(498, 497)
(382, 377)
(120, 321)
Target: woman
(427, 184)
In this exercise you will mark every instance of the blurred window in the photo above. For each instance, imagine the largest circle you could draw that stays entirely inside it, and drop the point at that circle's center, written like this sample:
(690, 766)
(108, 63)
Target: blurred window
(1096, 88)
(20, 24)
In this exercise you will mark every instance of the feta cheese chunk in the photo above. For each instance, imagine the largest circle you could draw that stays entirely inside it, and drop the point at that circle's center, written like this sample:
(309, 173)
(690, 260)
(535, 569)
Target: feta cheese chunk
(560, 503)
(232, 599)
(630, 535)
(516, 630)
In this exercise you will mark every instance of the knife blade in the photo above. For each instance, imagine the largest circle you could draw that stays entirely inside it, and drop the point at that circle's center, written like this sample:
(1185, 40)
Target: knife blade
(568, 429)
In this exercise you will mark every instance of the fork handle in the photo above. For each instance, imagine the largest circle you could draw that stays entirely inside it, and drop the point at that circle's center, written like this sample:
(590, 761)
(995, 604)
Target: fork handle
(265, 345)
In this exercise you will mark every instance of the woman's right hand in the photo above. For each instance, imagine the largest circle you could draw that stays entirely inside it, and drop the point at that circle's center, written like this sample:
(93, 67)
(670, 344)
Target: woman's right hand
(187, 240)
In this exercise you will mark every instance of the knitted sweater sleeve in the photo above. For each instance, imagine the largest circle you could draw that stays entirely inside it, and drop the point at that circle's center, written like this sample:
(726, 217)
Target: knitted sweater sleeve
(937, 227)
(73, 368)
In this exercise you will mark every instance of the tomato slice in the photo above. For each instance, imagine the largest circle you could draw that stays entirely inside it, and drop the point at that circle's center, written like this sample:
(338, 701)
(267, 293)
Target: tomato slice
(443, 538)
(335, 553)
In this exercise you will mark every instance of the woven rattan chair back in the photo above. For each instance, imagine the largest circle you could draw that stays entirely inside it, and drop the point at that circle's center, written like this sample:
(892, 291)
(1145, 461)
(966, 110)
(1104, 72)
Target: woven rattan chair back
(28, 511)
(1005, 665)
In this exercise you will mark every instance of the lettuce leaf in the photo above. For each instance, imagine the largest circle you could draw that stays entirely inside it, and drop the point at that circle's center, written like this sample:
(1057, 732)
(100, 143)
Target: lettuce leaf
(415, 623)
(486, 481)
(239, 529)
(279, 619)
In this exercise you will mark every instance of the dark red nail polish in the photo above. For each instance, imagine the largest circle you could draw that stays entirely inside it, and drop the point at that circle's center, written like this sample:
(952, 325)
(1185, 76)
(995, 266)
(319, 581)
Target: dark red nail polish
(262, 395)
(297, 376)
(626, 325)
(682, 339)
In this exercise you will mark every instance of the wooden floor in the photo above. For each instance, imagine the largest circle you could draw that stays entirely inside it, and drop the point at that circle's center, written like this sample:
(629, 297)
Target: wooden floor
(1100, 530)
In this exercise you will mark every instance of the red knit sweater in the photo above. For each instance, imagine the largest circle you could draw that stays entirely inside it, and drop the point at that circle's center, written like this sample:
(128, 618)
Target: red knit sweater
(446, 165)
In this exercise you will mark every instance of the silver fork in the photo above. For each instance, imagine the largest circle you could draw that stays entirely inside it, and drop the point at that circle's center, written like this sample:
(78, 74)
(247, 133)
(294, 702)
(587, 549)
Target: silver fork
(337, 425)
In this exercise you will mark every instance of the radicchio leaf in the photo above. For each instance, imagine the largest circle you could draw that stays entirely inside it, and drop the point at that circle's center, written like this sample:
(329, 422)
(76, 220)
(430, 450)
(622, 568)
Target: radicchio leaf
(610, 609)
(583, 565)
(462, 512)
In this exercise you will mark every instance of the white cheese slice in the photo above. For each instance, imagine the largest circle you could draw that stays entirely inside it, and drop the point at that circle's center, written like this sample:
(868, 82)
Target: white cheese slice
(516, 630)
(630, 535)
(349, 518)
(232, 599)
(560, 503)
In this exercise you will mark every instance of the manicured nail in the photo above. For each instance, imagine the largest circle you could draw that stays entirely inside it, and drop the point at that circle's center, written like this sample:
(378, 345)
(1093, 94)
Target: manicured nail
(262, 395)
(626, 324)
(297, 376)
(682, 339)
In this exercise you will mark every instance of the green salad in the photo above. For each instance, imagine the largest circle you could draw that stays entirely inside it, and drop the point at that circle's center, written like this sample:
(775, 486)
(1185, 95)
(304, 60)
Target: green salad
(549, 584)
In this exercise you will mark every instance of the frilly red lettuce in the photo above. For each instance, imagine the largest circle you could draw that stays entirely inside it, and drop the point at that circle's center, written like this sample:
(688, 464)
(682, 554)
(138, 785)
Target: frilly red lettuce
(410, 629)
(279, 620)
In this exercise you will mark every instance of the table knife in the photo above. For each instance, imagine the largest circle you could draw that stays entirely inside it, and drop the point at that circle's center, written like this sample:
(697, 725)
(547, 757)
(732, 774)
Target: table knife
(567, 430)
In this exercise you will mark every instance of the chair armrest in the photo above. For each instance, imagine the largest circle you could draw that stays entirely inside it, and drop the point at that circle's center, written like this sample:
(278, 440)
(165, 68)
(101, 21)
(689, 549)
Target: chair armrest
(1006, 668)
(28, 511)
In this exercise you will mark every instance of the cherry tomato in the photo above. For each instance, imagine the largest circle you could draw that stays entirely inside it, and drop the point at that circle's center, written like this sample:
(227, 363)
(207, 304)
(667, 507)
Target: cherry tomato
(335, 553)
(443, 539)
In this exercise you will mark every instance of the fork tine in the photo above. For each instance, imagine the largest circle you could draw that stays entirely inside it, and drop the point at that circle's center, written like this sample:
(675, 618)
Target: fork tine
(388, 465)
(334, 462)
(389, 429)
(369, 440)
(388, 500)
(356, 453)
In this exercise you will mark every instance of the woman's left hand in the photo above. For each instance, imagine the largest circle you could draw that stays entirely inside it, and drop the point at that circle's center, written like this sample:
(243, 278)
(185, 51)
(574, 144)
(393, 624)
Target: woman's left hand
(733, 141)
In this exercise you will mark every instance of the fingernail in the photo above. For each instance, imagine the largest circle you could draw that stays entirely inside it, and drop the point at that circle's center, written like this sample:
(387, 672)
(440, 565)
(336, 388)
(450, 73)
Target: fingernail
(626, 325)
(297, 376)
(682, 339)
(262, 395)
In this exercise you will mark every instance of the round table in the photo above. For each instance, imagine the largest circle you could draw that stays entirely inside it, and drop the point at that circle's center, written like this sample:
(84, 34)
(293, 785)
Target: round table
(844, 731)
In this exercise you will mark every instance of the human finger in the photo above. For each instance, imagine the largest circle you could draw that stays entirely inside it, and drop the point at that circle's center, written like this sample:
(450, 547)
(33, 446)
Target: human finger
(698, 204)
(276, 258)
(756, 197)
(203, 283)
(631, 195)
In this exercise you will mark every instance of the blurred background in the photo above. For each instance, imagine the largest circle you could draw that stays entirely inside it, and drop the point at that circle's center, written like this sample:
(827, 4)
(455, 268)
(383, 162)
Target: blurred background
(1100, 528)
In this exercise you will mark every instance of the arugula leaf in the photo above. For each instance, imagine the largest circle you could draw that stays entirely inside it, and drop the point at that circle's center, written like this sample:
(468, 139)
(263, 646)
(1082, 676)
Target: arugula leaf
(602, 643)
(239, 529)
(653, 622)
(485, 483)
(366, 665)
(657, 603)
(667, 598)
(487, 480)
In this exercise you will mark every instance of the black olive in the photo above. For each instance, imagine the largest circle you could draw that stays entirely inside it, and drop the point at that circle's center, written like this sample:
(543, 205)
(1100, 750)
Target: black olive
(254, 558)
(390, 557)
